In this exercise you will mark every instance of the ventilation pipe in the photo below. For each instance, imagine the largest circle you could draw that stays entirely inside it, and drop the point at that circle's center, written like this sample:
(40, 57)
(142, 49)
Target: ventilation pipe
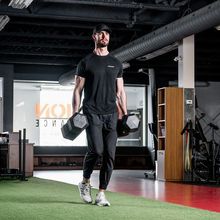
(68, 78)
(200, 20)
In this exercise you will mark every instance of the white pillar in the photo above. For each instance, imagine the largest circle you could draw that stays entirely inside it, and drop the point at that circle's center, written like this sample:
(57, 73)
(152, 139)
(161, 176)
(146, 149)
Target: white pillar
(186, 80)
(186, 63)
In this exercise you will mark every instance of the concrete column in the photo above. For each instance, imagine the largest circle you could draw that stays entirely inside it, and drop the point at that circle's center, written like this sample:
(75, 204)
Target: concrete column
(7, 73)
(186, 63)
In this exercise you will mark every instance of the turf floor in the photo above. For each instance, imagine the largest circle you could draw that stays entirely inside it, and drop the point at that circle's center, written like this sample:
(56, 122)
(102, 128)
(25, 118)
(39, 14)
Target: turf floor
(49, 200)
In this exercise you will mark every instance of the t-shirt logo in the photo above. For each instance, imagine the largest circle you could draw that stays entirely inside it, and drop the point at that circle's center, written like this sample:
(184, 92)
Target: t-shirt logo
(110, 66)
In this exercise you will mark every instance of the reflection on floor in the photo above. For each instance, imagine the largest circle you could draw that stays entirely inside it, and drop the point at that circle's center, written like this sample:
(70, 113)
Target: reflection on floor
(133, 182)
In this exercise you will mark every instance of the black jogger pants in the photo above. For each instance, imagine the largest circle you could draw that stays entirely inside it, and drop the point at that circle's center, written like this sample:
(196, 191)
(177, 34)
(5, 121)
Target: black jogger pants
(102, 137)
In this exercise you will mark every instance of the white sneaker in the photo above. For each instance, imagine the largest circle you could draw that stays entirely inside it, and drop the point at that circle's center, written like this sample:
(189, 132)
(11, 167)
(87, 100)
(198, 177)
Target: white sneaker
(85, 192)
(101, 200)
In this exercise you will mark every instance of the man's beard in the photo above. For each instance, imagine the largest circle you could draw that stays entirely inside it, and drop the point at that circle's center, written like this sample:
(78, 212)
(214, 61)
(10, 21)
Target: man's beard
(101, 45)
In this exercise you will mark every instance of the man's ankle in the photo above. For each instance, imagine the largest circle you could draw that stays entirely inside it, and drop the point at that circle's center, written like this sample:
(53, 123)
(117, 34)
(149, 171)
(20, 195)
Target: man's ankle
(86, 181)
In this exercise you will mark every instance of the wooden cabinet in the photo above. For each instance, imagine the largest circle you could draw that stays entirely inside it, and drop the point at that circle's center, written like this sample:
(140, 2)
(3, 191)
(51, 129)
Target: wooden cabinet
(170, 140)
(9, 155)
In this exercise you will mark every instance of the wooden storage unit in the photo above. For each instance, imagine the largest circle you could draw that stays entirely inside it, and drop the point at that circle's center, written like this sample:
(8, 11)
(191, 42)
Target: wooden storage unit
(9, 153)
(60, 158)
(170, 140)
(58, 162)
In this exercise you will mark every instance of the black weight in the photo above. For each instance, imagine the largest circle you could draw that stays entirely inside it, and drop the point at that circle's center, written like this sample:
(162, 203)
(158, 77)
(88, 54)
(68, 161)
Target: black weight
(74, 126)
(128, 123)
(132, 122)
(121, 131)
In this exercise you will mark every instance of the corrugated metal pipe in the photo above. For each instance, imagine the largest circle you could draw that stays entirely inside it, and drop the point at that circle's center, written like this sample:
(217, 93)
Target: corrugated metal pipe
(200, 20)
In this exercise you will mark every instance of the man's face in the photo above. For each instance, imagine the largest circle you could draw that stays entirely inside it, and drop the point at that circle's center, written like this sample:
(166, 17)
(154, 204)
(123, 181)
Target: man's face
(101, 39)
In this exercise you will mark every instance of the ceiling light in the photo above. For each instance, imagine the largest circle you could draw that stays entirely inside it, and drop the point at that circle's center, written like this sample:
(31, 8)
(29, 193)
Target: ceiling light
(4, 19)
(217, 27)
(20, 4)
(125, 65)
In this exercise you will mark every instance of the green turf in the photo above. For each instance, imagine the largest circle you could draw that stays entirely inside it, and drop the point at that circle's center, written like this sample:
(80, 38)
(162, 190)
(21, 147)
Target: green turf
(44, 199)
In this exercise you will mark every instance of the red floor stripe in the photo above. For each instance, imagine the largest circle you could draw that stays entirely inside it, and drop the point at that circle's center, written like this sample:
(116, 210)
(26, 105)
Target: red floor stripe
(202, 197)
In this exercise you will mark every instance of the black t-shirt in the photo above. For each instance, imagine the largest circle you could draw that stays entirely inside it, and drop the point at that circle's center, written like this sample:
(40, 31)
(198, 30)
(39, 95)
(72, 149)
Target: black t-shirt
(100, 73)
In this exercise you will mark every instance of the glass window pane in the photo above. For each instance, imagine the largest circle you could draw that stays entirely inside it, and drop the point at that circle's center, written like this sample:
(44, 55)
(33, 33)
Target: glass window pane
(136, 104)
(43, 107)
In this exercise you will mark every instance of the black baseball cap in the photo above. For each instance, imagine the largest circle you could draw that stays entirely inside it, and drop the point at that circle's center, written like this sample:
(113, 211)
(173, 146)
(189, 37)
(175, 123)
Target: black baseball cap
(102, 27)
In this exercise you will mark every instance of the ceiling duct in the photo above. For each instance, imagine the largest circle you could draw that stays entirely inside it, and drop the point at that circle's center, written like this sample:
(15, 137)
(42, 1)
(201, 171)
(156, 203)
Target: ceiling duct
(193, 23)
(69, 77)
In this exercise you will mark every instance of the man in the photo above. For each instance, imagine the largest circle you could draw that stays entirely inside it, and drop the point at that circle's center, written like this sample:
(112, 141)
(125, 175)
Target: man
(100, 75)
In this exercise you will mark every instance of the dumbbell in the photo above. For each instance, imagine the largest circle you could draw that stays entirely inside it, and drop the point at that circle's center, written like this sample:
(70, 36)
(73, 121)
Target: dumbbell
(74, 126)
(129, 123)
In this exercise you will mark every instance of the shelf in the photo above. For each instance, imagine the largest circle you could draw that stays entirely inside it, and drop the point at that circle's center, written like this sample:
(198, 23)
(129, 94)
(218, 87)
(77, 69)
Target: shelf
(161, 96)
(58, 167)
(161, 113)
(169, 126)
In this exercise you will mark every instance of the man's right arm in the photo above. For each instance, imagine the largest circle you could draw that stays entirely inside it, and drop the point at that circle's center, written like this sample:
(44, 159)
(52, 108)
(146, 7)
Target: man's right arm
(77, 93)
(121, 96)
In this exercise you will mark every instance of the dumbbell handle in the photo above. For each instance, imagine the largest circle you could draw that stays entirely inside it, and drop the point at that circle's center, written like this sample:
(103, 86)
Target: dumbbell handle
(80, 109)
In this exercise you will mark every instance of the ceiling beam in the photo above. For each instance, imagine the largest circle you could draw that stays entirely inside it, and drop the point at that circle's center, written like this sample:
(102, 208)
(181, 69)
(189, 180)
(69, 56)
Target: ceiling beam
(31, 53)
(49, 35)
(84, 13)
(45, 35)
(63, 25)
(121, 4)
(44, 45)
(38, 61)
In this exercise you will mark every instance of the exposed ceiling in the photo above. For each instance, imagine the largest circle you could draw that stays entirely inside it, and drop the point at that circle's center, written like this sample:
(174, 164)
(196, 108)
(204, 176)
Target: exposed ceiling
(49, 37)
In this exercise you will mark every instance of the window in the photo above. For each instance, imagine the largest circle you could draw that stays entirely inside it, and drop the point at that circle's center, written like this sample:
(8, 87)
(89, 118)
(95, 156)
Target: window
(136, 104)
(43, 107)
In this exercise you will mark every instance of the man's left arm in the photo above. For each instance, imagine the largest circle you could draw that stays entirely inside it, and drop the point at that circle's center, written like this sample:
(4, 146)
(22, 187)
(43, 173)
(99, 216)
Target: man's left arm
(121, 95)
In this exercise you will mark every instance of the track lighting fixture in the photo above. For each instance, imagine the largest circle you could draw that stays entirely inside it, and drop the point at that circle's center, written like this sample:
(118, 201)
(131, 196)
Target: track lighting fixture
(20, 4)
(4, 19)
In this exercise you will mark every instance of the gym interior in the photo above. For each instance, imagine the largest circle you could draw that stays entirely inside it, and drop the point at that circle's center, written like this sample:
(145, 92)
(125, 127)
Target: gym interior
(170, 52)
